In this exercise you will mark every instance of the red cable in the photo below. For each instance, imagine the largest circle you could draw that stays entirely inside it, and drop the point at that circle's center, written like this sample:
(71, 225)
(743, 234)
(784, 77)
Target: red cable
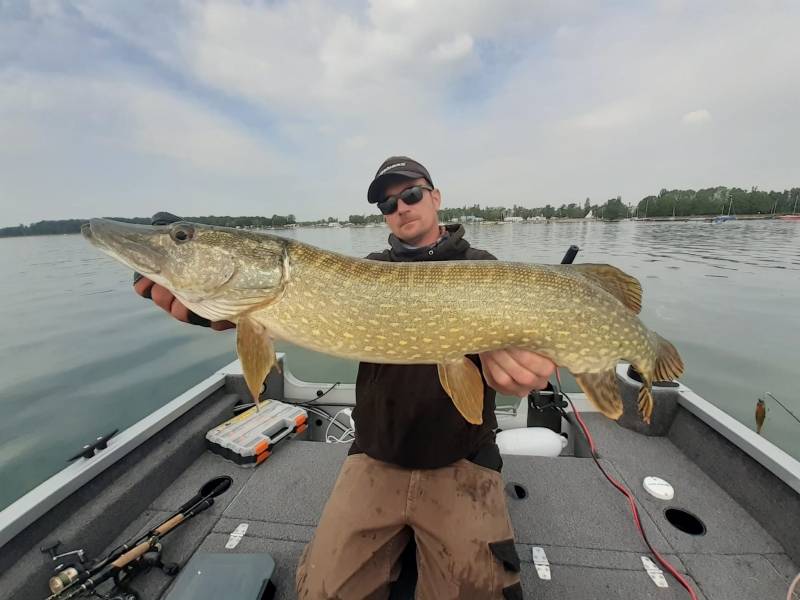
(670, 569)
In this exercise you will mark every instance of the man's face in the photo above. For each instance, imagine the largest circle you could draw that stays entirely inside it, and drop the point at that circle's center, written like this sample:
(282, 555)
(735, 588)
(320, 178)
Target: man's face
(415, 224)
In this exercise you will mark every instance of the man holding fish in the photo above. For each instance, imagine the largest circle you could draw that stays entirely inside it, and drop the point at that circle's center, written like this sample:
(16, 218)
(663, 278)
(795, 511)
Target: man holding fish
(417, 468)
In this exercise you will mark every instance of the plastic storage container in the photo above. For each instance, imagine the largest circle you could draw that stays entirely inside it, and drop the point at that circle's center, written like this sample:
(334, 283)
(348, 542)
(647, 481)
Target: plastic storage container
(247, 439)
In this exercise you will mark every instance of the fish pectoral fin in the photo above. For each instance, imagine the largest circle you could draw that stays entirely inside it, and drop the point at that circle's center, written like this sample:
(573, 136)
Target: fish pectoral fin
(603, 391)
(616, 282)
(463, 383)
(256, 353)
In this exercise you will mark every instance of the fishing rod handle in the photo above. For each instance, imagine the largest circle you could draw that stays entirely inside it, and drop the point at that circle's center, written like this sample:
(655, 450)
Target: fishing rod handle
(132, 555)
(169, 525)
(570, 255)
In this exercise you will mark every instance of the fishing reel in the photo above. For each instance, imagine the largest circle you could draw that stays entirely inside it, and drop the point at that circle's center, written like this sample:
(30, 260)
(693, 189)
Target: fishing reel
(68, 572)
(149, 560)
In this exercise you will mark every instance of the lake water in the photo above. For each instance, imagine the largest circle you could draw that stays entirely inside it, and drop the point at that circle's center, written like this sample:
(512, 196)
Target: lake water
(81, 354)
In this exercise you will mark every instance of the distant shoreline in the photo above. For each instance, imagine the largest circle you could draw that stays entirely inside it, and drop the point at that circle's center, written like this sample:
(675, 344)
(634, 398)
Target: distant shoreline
(554, 220)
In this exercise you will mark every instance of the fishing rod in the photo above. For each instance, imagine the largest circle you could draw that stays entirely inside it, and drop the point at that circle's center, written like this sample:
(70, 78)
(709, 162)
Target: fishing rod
(784, 407)
(70, 582)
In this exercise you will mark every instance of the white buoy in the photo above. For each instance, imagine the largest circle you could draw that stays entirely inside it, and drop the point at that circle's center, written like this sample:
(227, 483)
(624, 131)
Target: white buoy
(531, 441)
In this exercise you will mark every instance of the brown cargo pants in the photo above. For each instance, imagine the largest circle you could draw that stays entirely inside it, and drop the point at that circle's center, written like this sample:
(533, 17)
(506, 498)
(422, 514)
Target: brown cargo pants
(457, 515)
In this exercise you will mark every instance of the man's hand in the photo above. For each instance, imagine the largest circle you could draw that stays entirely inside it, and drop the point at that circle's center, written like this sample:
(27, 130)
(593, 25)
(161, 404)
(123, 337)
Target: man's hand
(516, 372)
(166, 300)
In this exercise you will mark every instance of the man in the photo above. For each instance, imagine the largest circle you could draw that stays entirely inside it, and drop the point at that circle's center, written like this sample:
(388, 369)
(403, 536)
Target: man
(416, 468)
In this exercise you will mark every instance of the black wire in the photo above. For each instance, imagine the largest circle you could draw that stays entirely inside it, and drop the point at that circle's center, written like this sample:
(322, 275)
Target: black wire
(240, 408)
(321, 413)
(320, 395)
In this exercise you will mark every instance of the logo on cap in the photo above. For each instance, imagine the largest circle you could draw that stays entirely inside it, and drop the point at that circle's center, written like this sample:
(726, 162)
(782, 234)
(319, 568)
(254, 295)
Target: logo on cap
(390, 167)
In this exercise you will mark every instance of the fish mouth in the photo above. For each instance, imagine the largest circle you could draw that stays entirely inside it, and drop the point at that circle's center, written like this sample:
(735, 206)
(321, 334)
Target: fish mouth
(135, 245)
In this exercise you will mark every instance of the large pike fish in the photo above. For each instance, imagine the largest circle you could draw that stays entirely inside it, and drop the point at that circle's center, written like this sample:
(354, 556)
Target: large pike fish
(583, 316)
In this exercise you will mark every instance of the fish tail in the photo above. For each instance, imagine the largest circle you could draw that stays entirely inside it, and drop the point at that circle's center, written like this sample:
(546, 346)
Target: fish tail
(669, 365)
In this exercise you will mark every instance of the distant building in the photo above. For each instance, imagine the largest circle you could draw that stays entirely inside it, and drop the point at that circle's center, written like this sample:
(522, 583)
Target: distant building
(513, 219)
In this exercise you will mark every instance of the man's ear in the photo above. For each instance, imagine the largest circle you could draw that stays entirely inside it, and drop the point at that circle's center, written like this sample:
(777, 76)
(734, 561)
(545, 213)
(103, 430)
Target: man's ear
(437, 198)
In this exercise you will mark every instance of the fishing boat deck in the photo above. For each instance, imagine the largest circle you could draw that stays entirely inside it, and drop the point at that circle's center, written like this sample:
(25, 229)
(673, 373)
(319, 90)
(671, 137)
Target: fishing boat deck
(583, 524)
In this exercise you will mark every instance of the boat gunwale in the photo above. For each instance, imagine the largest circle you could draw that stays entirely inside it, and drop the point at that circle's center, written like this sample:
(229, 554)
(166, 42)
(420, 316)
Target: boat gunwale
(38, 501)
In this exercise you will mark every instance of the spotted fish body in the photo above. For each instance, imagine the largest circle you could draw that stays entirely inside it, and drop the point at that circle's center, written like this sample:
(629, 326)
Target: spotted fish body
(435, 312)
(583, 317)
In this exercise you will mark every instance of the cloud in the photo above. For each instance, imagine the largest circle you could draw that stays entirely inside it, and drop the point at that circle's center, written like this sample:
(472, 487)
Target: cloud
(457, 48)
(120, 114)
(272, 107)
(612, 116)
(696, 117)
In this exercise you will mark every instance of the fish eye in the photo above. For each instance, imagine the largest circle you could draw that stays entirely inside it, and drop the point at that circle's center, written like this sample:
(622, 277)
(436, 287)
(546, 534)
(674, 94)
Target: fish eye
(181, 233)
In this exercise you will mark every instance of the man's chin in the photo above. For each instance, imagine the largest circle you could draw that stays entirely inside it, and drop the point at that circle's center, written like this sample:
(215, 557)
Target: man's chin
(409, 230)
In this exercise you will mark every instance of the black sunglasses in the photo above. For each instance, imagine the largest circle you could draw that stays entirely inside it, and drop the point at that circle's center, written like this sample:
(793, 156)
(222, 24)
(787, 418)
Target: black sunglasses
(410, 195)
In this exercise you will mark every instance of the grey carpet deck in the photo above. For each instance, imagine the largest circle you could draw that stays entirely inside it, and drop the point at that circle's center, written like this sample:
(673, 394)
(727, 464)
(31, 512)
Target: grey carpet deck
(571, 511)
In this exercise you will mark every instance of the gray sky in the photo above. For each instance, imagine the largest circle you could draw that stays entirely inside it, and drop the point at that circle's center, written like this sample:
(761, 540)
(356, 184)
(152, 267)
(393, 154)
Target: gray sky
(255, 108)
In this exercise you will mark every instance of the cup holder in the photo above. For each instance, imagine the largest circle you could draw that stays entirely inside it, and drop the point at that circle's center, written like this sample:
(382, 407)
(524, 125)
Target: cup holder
(516, 490)
(685, 521)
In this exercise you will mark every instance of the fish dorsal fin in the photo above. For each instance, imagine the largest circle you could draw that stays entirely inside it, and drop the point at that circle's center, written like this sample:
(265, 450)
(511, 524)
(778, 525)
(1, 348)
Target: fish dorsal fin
(463, 383)
(619, 284)
(602, 390)
(256, 353)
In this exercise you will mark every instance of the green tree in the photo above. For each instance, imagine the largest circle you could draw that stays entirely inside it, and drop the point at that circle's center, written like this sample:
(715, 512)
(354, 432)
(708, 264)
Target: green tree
(614, 209)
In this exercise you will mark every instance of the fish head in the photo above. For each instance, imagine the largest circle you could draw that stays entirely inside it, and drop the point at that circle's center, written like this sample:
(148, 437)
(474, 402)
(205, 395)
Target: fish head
(217, 272)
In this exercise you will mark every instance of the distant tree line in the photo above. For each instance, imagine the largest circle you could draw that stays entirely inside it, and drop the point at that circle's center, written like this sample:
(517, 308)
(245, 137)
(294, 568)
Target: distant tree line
(74, 225)
(680, 203)
(716, 201)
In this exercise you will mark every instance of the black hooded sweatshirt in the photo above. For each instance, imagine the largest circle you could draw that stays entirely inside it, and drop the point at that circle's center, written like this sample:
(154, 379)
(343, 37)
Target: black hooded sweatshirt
(403, 415)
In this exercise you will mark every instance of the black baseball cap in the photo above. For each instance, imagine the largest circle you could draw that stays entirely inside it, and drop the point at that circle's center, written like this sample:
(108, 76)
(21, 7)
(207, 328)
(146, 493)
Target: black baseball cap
(395, 165)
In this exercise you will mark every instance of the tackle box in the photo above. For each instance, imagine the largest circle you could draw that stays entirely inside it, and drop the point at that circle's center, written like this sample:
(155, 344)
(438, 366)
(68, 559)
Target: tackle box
(247, 439)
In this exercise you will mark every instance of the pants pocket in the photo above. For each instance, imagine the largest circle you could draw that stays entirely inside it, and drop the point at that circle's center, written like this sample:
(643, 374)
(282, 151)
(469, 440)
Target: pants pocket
(507, 579)
(506, 553)
(513, 592)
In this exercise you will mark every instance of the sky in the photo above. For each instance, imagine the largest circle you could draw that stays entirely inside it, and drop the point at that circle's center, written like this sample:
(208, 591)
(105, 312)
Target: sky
(289, 107)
